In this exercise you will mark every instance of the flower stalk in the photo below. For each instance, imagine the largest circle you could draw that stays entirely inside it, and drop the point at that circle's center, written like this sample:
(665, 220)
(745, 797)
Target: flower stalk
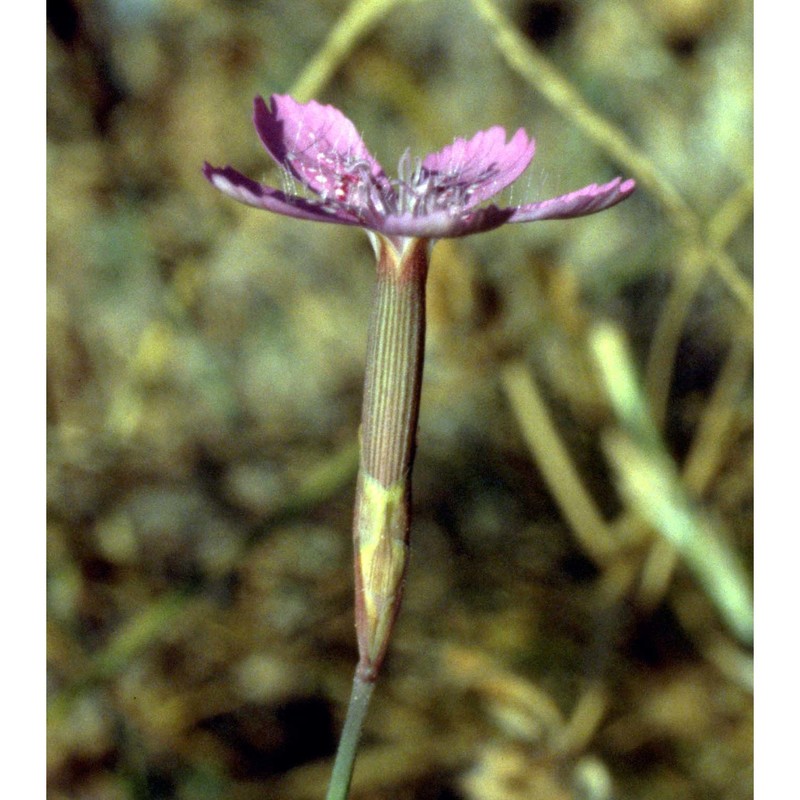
(382, 516)
(339, 784)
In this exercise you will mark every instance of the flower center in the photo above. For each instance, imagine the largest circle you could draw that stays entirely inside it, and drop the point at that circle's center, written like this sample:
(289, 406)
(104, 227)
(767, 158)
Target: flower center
(343, 182)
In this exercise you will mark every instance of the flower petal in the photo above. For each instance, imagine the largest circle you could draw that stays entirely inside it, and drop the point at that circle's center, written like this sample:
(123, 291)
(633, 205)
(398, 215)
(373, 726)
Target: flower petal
(485, 164)
(584, 201)
(442, 224)
(252, 193)
(316, 143)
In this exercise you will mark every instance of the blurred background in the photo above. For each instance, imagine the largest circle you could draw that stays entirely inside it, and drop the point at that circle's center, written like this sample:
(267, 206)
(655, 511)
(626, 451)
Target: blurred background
(577, 616)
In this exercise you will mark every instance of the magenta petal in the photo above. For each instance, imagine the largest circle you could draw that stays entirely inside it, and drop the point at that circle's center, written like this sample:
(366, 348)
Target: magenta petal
(442, 224)
(316, 143)
(584, 201)
(252, 193)
(438, 197)
(485, 163)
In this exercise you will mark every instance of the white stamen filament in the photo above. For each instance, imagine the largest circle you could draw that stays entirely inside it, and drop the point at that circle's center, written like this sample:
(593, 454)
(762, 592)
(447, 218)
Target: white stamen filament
(344, 181)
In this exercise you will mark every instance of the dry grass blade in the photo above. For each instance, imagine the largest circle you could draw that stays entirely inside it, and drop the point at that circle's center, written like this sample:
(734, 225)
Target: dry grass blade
(652, 486)
(557, 467)
(540, 73)
(359, 17)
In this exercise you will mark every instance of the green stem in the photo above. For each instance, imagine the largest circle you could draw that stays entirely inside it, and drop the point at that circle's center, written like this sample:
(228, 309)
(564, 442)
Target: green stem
(382, 518)
(339, 786)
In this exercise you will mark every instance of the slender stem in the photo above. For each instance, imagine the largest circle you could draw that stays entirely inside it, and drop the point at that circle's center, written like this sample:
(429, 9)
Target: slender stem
(382, 517)
(339, 786)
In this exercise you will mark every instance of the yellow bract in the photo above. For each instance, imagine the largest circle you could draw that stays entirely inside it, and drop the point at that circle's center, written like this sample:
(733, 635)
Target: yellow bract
(382, 528)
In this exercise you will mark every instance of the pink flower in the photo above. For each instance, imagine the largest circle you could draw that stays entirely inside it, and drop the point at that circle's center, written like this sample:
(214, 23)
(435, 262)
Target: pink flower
(436, 197)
